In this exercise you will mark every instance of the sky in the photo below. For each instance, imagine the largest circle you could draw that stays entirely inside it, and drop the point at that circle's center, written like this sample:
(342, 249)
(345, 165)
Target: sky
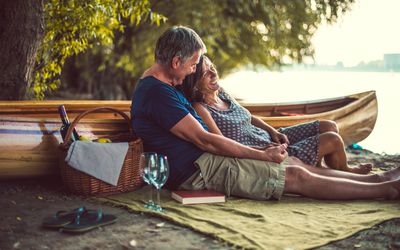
(365, 33)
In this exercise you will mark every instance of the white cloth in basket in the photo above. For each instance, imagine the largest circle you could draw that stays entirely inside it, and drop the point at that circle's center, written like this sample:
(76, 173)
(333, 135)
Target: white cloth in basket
(101, 160)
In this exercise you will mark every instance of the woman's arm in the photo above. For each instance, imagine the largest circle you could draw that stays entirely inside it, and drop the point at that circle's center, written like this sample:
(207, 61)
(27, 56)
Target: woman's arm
(207, 118)
(209, 121)
(275, 135)
(263, 125)
(254, 120)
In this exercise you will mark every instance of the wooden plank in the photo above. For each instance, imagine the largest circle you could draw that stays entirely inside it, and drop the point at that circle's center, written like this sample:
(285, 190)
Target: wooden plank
(28, 156)
(12, 169)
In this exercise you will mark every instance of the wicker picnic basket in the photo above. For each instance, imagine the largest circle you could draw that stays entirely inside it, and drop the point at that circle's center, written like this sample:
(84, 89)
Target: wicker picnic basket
(83, 184)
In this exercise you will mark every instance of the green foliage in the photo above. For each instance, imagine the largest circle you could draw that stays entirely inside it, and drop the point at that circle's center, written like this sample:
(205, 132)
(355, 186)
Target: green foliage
(73, 26)
(268, 33)
(257, 32)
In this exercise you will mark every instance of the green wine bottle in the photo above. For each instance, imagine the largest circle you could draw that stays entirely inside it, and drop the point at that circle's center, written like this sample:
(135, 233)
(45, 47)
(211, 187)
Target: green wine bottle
(65, 124)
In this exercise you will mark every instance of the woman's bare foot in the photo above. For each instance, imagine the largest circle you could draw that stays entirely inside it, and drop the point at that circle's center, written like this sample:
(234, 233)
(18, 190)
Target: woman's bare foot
(363, 168)
(395, 192)
(391, 175)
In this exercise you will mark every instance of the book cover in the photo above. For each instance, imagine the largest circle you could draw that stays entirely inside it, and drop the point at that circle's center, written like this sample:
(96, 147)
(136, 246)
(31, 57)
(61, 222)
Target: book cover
(197, 197)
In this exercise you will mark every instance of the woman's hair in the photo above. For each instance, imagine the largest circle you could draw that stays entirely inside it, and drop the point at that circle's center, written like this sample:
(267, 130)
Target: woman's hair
(189, 86)
(178, 41)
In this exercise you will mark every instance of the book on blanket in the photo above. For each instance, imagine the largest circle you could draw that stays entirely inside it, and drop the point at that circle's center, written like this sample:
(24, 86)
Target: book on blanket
(197, 196)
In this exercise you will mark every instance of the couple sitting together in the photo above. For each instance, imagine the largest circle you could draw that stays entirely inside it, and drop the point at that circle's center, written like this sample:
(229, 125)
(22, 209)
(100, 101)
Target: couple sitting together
(179, 110)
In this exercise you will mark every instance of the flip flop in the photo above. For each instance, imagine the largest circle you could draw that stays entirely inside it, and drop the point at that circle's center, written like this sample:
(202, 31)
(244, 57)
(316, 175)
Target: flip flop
(62, 218)
(88, 221)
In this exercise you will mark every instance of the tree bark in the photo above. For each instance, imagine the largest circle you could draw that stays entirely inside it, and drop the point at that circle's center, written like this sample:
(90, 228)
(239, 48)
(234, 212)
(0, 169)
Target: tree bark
(21, 31)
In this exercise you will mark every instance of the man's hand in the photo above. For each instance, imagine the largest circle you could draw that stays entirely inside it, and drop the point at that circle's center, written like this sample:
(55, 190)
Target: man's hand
(276, 153)
(279, 138)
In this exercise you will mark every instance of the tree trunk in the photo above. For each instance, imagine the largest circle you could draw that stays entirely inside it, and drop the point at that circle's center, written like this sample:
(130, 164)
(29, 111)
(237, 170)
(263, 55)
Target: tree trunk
(21, 31)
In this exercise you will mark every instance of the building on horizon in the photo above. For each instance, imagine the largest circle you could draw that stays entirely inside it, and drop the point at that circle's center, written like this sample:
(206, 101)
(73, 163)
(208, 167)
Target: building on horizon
(391, 61)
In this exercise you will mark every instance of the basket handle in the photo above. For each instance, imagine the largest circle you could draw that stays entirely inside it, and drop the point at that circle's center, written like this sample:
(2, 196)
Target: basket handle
(81, 115)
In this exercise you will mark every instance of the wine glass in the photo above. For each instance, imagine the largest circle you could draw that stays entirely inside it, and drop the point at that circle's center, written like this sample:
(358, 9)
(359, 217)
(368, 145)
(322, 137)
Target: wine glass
(158, 177)
(148, 161)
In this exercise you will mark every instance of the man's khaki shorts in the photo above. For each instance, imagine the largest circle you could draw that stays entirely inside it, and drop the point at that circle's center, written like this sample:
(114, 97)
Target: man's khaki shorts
(247, 178)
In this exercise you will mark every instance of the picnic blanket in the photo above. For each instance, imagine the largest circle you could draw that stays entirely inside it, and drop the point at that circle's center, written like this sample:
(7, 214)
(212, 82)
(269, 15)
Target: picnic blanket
(292, 223)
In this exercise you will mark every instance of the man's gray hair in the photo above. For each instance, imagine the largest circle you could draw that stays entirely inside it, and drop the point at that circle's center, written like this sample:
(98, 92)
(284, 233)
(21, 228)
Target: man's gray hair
(178, 41)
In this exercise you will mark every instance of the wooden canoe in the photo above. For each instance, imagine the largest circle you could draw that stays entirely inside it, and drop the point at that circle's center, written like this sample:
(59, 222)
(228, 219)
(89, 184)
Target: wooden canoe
(355, 114)
(29, 130)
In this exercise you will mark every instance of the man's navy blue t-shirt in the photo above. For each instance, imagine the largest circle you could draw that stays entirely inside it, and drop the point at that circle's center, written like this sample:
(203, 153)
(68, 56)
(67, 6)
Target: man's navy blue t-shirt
(156, 108)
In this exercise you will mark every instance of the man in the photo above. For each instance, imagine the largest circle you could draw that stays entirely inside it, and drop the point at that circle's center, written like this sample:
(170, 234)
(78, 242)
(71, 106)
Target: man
(168, 125)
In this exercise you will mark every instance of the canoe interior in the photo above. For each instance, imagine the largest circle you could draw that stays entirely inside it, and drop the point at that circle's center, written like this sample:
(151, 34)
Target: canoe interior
(48, 109)
(299, 109)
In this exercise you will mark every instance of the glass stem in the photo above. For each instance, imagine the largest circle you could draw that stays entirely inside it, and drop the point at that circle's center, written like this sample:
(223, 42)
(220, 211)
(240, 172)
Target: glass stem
(158, 197)
(151, 194)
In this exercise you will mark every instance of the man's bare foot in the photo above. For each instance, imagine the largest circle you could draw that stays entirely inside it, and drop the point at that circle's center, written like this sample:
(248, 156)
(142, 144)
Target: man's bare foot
(391, 175)
(363, 168)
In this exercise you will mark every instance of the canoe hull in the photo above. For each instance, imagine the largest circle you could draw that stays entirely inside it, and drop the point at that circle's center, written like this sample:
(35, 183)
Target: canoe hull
(29, 131)
(29, 147)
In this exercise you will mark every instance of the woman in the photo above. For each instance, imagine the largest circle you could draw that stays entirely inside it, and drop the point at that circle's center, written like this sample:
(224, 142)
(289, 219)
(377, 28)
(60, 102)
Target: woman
(309, 142)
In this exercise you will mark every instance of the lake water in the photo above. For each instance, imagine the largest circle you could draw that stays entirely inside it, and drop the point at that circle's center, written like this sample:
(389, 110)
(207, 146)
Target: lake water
(307, 85)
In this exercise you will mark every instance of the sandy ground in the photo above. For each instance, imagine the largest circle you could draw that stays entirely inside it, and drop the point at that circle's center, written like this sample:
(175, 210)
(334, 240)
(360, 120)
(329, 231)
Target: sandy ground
(24, 203)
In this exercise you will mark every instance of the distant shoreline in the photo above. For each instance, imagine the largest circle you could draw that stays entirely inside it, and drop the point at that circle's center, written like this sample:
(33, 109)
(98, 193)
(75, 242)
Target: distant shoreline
(336, 68)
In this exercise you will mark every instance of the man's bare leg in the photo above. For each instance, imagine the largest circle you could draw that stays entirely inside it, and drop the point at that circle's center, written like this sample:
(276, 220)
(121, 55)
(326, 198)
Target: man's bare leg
(299, 180)
(390, 175)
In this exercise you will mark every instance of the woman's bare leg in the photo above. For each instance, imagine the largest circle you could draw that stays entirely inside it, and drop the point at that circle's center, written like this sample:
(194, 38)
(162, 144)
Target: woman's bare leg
(328, 126)
(373, 178)
(324, 127)
(299, 180)
(331, 148)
